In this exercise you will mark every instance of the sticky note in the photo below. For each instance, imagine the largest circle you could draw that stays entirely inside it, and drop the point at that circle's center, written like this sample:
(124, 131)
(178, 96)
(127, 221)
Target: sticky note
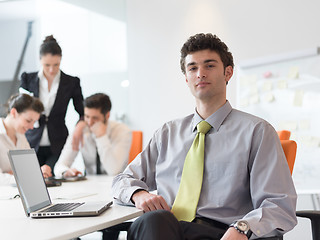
(267, 74)
(282, 84)
(293, 73)
(254, 99)
(289, 125)
(253, 90)
(304, 125)
(248, 80)
(298, 98)
(269, 97)
(267, 86)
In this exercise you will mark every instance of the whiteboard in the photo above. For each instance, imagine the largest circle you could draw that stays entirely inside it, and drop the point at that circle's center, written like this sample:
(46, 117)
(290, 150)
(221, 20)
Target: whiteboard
(287, 94)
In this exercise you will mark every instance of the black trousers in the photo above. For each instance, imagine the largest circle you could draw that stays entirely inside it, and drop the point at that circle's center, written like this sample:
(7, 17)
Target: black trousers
(45, 156)
(161, 224)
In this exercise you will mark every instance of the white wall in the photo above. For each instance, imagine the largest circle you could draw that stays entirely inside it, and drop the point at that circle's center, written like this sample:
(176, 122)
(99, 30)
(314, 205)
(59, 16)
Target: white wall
(14, 31)
(13, 37)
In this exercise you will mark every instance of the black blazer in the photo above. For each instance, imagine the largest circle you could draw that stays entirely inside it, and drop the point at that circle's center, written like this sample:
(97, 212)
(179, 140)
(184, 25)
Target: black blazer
(69, 88)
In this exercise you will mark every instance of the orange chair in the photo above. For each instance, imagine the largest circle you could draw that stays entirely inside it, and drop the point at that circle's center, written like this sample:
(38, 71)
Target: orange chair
(136, 148)
(284, 134)
(290, 149)
(136, 145)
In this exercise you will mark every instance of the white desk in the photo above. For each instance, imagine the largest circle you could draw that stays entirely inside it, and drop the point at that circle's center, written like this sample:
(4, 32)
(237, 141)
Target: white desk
(15, 225)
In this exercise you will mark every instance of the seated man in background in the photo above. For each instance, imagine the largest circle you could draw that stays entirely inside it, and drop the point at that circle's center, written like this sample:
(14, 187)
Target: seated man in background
(219, 173)
(105, 146)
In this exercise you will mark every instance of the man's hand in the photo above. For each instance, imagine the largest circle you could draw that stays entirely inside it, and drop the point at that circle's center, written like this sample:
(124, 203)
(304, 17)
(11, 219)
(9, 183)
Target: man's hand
(46, 171)
(233, 234)
(98, 129)
(77, 137)
(149, 202)
(72, 172)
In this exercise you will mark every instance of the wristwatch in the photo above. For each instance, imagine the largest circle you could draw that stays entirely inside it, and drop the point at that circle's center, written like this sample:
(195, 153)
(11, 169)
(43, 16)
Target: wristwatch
(242, 227)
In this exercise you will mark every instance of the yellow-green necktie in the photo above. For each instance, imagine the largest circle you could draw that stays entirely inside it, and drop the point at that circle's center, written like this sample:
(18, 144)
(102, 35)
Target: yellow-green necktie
(186, 202)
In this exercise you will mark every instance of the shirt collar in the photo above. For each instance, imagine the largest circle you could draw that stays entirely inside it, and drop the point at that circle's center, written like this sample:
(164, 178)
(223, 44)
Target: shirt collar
(41, 75)
(215, 119)
(2, 128)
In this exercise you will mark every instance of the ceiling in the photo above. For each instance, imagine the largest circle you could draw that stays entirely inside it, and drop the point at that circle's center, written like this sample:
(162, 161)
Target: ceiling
(26, 9)
(111, 8)
(13, 9)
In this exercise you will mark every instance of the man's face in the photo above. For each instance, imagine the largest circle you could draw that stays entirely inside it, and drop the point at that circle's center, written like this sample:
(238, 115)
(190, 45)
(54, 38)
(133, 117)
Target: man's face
(93, 115)
(50, 64)
(206, 76)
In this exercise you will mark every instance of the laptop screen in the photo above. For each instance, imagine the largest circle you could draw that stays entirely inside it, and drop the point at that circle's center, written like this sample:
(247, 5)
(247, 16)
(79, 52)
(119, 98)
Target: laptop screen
(29, 179)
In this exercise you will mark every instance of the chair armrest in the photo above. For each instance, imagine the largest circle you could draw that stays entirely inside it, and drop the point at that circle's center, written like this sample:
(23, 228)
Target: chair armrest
(314, 216)
(311, 214)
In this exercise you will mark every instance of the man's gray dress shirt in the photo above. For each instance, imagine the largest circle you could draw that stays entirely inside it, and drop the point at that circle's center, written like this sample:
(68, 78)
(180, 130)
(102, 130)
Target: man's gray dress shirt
(246, 176)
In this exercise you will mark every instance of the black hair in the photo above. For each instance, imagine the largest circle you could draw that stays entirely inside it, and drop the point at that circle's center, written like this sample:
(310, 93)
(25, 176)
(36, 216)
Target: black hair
(50, 46)
(22, 102)
(99, 101)
(203, 41)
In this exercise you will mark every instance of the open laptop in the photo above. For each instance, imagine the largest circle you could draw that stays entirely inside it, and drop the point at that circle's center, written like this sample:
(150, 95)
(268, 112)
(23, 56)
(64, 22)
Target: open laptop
(34, 194)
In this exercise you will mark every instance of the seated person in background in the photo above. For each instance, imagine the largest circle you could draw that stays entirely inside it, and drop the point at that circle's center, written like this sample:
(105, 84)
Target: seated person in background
(105, 146)
(23, 112)
(234, 181)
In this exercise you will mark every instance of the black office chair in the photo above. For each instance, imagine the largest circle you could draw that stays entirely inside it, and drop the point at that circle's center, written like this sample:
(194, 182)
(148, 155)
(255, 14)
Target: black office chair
(112, 233)
(314, 216)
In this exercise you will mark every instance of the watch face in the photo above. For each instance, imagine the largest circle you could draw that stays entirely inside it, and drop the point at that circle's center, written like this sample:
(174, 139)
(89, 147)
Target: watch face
(242, 225)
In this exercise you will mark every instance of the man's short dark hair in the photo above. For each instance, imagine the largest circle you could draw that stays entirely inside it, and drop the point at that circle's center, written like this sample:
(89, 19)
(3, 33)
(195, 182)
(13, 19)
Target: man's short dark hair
(99, 101)
(203, 41)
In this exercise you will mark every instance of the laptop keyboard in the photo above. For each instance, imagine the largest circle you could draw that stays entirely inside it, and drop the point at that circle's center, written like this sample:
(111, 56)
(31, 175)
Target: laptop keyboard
(62, 207)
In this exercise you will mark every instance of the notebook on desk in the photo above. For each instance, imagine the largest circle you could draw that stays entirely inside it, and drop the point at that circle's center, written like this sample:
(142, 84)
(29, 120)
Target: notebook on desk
(34, 194)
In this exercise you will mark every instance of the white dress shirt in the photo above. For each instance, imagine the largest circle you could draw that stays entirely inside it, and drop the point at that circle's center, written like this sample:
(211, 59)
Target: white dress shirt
(7, 144)
(47, 98)
(246, 175)
(113, 148)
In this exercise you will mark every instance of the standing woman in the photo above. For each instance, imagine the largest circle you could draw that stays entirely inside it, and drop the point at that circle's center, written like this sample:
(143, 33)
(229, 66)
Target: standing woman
(55, 89)
(23, 112)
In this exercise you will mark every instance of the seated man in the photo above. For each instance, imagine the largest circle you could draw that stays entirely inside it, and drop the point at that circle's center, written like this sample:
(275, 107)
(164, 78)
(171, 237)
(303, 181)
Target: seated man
(105, 146)
(233, 183)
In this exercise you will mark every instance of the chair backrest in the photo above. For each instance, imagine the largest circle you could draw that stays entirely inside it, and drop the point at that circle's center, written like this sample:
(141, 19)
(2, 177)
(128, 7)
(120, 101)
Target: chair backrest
(136, 145)
(284, 134)
(290, 149)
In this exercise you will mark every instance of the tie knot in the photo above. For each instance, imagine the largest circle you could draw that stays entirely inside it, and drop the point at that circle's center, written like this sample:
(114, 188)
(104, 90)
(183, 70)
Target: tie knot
(203, 127)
